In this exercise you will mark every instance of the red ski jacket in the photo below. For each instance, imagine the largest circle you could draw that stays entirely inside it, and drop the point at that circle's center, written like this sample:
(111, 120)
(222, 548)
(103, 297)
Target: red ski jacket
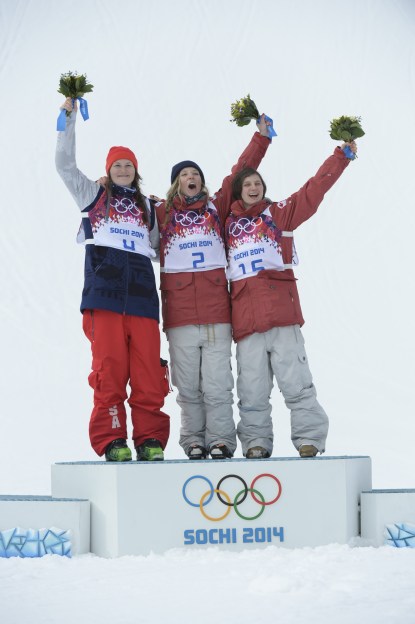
(270, 297)
(202, 297)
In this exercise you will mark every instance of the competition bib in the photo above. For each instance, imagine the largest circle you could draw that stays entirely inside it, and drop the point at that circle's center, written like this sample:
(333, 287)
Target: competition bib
(254, 245)
(119, 225)
(192, 241)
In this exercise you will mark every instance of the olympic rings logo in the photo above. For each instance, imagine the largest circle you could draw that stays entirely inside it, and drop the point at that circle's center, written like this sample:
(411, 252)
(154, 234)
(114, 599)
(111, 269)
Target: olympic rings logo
(186, 219)
(225, 499)
(125, 205)
(244, 225)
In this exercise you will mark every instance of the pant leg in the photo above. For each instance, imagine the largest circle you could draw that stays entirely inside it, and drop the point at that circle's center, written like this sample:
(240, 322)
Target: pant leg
(254, 386)
(109, 376)
(185, 361)
(217, 385)
(309, 422)
(146, 381)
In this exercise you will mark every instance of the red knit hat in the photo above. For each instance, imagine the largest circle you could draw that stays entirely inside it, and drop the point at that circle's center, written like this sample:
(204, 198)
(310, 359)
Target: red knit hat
(117, 153)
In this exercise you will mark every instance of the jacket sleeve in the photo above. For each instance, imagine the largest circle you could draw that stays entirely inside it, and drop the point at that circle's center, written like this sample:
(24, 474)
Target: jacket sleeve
(250, 157)
(82, 189)
(155, 232)
(300, 206)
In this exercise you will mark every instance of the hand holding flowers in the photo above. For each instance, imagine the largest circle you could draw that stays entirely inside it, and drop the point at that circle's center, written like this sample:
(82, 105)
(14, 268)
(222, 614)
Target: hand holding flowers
(73, 85)
(347, 129)
(245, 109)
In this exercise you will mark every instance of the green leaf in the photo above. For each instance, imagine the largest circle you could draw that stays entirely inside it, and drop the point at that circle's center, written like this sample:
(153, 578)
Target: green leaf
(243, 111)
(346, 128)
(73, 85)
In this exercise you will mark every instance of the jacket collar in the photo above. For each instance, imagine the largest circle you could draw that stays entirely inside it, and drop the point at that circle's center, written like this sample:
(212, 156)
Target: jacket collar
(124, 191)
(238, 208)
(180, 203)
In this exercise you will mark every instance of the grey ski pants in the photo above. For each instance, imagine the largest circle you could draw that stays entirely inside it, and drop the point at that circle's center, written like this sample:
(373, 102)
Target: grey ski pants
(278, 352)
(200, 359)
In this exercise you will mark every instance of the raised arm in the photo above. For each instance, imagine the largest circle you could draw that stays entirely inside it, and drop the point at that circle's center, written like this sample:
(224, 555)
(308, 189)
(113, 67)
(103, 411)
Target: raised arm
(250, 157)
(300, 206)
(82, 189)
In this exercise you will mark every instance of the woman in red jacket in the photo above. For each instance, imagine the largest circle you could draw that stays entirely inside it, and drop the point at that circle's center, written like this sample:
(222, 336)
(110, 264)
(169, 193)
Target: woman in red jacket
(195, 302)
(266, 311)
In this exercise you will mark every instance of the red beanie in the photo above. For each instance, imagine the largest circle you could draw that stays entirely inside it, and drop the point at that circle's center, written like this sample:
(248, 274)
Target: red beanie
(119, 153)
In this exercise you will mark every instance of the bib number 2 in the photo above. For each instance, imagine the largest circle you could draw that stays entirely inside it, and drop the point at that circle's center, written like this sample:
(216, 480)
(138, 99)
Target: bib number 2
(199, 260)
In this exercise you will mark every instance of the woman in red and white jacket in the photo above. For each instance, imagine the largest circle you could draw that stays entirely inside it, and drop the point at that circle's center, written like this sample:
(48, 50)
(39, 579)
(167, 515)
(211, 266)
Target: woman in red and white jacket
(195, 302)
(266, 311)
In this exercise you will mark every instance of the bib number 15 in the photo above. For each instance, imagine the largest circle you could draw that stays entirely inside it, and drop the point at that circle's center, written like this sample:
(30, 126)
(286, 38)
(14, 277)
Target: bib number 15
(255, 266)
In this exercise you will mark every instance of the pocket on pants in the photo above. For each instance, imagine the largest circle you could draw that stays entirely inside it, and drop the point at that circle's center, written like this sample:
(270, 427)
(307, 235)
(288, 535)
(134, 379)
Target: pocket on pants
(94, 377)
(165, 377)
(304, 368)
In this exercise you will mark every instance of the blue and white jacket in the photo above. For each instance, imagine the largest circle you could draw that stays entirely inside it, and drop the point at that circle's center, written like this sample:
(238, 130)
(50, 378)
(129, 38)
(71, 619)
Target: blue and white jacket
(119, 274)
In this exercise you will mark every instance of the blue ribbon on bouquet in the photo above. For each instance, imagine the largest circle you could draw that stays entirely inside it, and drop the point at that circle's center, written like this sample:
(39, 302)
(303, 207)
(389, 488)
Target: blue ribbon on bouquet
(270, 128)
(349, 153)
(83, 107)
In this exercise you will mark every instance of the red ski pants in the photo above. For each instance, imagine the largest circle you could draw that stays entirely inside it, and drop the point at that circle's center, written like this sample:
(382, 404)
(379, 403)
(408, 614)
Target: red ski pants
(125, 349)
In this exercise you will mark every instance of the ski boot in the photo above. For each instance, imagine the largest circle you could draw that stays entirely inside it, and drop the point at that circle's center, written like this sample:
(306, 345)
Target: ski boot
(220, 451)
(257, 452)
(150, 450)
(307, 450)
(118, 451)
(196, 452)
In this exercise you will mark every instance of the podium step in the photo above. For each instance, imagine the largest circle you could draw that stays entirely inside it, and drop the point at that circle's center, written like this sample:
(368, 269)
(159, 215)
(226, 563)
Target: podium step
(32, 526)
(388, 517)
(143, 507)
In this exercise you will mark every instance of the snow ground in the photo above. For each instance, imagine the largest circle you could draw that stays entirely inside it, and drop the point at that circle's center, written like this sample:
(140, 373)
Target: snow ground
(336, 583)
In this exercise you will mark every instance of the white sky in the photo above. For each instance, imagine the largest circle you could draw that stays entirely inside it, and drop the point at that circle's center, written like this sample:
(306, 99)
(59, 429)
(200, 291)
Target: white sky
(165, 73)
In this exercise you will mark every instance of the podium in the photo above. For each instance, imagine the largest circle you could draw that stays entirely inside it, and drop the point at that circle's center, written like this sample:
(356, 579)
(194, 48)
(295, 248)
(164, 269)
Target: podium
(31, 526)
(141, 507)
(136, 508)
(388, 516)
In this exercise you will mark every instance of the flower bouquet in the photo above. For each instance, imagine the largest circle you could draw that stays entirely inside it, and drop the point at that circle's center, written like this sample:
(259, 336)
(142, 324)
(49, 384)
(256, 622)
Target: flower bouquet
(244, 110)
(346, 129)
(75, 86)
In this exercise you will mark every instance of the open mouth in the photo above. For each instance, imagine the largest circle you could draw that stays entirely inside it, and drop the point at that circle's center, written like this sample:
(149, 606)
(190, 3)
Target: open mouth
(192, 186)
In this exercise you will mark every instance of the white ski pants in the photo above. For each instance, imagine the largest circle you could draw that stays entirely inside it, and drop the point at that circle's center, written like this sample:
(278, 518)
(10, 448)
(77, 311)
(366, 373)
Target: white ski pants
(278, 352)
(200, 359)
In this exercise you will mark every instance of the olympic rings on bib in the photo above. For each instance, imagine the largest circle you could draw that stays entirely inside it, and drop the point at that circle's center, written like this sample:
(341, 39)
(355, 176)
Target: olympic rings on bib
(239, 498)
(190, 217)
(245, 225)
(125, 204)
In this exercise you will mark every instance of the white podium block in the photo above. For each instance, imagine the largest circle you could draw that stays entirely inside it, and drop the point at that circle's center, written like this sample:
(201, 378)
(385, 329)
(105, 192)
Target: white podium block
(382, 508)
(44, 512)
(143, 507)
